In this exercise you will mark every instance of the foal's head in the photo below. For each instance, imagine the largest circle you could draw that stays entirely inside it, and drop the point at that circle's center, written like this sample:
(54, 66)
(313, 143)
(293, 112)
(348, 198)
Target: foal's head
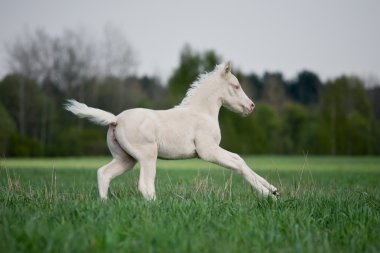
(231, 93)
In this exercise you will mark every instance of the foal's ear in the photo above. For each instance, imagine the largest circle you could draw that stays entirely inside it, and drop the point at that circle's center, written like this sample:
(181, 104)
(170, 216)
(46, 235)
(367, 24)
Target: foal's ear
(227, 68)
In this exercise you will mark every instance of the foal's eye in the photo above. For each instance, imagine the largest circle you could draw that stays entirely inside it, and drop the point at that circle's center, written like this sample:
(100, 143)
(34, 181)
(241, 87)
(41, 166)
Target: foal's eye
(237, 87)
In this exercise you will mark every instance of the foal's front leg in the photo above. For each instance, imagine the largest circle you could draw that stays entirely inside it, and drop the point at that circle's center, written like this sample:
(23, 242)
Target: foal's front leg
(233, 161)
(111, 170)
(259, 178)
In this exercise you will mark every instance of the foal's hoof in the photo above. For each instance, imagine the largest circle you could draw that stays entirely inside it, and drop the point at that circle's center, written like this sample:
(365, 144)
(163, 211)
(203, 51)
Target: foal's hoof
(276, 193)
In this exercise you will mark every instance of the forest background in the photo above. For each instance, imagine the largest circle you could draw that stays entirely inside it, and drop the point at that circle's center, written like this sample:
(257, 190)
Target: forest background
(302, 115)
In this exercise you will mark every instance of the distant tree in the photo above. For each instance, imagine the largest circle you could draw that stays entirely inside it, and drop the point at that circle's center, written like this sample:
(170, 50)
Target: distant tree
(228, 123)
(116, 56)
(41, 57)
(306, 89)
(374, 97)
(256, 84)
(360, 137)
(116, 95)
(274, 92)
(265, 130)
(67, 60)
(344, 101)
(28, 108)
(30, 55)
(376, 137)
(209, 60)
(156, 93)
(259, 133)
(295, 128)
(8, 129)
(48, 69)
(191, 65)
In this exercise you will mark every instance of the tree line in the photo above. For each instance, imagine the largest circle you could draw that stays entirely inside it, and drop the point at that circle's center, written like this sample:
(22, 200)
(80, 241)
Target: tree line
(298, 116)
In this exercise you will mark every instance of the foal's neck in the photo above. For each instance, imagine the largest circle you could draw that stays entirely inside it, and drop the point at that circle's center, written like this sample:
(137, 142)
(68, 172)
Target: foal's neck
(206, 100)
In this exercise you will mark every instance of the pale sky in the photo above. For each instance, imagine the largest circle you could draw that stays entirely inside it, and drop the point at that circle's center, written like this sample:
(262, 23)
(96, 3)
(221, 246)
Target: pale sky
(329, 37)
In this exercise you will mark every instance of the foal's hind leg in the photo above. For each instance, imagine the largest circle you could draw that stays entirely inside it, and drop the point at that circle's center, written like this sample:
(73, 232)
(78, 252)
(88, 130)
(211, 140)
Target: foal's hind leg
(142, 146)
(121, 163)
(110, 171)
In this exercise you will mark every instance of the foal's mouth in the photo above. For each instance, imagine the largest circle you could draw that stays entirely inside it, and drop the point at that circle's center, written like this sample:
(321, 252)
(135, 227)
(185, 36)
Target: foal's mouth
(245, 114)
(246, 111)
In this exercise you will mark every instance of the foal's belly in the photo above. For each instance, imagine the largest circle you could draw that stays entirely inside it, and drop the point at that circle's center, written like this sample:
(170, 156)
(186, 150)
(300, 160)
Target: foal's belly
(169, 155)
(179, 148)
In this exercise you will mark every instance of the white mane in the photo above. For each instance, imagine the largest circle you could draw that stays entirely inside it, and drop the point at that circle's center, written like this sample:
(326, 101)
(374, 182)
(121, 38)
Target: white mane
(197, 83)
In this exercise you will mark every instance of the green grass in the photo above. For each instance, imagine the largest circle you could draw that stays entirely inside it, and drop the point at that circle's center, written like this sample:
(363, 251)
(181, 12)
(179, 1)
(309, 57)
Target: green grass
(327, 205)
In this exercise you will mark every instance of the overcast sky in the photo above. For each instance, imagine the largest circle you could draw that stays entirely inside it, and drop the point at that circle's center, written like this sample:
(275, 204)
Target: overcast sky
(329, 37)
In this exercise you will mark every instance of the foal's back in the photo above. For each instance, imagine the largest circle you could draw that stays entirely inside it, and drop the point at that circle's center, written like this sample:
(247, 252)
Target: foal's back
(172, 131)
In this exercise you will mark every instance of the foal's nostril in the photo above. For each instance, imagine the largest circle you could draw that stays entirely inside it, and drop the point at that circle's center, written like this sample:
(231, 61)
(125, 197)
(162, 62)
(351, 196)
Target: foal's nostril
(252, 106)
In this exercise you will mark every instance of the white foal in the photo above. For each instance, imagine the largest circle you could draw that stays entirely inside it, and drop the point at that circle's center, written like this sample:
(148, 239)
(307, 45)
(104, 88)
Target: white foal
(185, 131)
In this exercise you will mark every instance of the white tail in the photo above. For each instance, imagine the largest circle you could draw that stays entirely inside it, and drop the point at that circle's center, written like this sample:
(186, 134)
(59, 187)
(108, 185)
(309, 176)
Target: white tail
(95, 115)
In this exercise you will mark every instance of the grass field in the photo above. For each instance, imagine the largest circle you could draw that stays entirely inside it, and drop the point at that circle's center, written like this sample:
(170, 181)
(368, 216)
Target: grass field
(327, 205)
